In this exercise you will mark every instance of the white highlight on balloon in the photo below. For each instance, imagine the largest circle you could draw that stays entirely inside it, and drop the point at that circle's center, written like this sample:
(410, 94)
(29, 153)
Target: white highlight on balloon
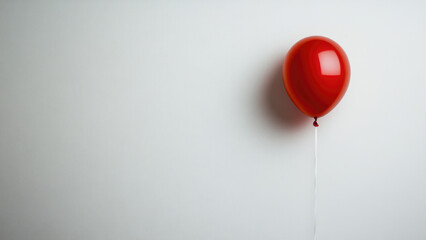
(329, 63)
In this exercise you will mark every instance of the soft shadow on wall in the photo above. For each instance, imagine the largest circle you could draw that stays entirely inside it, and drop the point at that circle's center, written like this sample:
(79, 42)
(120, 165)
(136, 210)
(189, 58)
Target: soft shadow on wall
(280, 109)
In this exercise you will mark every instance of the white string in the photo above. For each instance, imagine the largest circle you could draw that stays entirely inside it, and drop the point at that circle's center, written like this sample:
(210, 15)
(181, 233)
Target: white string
(315, 183)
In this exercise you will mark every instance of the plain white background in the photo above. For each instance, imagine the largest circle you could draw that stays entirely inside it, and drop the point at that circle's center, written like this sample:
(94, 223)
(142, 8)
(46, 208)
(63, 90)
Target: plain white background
(168, 120)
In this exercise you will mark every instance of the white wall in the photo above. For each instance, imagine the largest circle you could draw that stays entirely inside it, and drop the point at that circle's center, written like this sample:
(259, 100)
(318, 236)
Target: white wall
(168, 120)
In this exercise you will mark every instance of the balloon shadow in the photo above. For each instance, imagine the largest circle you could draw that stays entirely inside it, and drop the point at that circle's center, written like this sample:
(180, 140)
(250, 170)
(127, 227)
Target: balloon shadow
(281, 110)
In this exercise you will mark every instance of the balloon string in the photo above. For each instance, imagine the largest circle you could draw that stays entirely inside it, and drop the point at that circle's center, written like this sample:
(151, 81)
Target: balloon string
(315, 183)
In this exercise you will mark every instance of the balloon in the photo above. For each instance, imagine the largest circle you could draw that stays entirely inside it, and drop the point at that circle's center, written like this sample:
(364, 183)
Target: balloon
(316, 75)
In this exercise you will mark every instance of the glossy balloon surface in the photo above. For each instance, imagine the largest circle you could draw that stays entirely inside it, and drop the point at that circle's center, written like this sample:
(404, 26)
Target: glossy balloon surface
(316, 75)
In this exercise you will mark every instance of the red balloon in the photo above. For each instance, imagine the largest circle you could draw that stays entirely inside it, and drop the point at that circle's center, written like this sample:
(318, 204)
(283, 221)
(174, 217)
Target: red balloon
(316, 75)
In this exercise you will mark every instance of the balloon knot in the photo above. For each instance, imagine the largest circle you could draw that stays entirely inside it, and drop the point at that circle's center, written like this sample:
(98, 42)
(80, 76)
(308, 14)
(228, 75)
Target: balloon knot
(315, 122)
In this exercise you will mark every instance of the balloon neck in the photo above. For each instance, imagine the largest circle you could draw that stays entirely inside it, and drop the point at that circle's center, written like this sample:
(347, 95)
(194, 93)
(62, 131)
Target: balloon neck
(315, 122)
